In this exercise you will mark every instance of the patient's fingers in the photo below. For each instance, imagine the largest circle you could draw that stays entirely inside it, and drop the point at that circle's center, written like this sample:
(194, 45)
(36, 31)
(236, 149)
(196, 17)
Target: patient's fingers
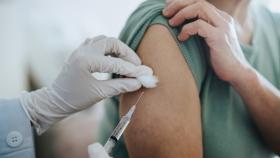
(202, 10)
(173, 6)
(199, 27)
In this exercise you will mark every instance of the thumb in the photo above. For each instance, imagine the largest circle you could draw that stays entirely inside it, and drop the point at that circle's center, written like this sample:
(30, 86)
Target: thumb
(115, 87)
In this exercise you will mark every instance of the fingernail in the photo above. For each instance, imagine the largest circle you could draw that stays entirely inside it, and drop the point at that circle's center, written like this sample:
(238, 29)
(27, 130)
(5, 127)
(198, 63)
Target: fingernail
(171, 22)
(165, 11)
(180, 38)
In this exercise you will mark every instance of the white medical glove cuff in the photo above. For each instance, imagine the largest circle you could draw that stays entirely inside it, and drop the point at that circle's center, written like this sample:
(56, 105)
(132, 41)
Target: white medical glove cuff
(43, 107)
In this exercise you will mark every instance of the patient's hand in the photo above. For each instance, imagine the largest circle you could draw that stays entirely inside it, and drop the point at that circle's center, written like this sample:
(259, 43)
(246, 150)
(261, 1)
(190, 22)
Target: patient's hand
(218, 29)
(167, 121)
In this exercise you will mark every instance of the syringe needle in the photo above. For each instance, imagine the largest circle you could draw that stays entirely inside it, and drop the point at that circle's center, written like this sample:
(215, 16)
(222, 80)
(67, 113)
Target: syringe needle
(139, 98)
(132, 109)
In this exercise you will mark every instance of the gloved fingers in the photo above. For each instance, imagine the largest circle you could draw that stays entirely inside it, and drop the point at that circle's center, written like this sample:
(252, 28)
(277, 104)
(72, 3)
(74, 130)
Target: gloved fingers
(111, 46)
(94, 39)
(98, 38)
(117, 48)
(118, 86)
(119, 66)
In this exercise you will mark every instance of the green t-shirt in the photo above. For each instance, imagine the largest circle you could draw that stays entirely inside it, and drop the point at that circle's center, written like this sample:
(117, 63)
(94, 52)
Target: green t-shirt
(228, 130)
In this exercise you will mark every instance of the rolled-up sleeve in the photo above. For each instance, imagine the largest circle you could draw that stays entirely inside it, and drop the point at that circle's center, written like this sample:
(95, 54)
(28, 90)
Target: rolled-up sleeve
(16, 134)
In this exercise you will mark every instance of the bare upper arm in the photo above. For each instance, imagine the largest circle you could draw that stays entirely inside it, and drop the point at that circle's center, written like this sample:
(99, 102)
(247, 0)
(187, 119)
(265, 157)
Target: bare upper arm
(167, 121)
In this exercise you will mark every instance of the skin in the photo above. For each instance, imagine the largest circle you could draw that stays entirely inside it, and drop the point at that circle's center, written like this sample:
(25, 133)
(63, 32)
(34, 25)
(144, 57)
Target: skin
(217, 28)
(159, 112)
(164, 125)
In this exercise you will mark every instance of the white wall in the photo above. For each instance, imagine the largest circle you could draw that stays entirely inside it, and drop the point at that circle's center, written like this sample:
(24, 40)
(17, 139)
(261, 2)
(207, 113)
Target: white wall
(39, 34)
(274, 5)
(12, 56)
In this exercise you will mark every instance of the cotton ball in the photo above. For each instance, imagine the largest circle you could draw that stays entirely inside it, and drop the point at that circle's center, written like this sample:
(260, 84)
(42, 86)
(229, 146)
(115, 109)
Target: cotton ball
(148, 81)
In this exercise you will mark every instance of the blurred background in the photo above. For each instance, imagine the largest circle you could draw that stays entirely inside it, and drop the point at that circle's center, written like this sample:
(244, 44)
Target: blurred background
(35, 38)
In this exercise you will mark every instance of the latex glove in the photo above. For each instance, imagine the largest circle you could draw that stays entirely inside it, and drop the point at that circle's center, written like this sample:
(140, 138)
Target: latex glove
(96, 150)
(76, 89)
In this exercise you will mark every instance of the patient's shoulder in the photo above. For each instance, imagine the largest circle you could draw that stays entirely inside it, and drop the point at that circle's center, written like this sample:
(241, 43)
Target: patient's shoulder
(176, 98)
(193, 52)
(147, 20)
(158, 37)
(159, 50)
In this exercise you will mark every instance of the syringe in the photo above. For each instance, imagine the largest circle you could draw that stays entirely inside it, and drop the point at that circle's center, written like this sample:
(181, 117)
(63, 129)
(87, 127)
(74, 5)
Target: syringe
(118, 131)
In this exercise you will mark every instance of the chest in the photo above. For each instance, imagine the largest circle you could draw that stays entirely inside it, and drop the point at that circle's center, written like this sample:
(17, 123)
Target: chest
(228, 129)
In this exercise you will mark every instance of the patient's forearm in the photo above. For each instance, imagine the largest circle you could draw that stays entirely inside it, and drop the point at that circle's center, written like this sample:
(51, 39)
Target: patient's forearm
(167, 120)
(263, 102)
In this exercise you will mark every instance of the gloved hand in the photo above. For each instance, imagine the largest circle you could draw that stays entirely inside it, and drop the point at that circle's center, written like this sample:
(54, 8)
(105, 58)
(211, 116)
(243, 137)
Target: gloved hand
(96, 150)
(76, 89)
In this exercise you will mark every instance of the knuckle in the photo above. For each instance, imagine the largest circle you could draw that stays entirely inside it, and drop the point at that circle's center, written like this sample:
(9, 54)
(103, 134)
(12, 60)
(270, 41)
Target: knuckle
(226, 15)
(182, 13)
(87, 41)
(201, 8)
(112, 40)
(122, 66)
(112, 44)
(211, 6)
(228, 18)
(204, 3)
(189, 28)
(117, 63)
(97, 38)
(100, 37)
(196, 25)
(80, 61)
(201, 4)
(180, 3)
(199, 23)
(186, 28)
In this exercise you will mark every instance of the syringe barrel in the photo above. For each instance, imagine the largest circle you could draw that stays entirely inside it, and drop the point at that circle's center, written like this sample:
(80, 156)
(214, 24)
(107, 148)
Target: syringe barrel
(110, 144)
(118, 131)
